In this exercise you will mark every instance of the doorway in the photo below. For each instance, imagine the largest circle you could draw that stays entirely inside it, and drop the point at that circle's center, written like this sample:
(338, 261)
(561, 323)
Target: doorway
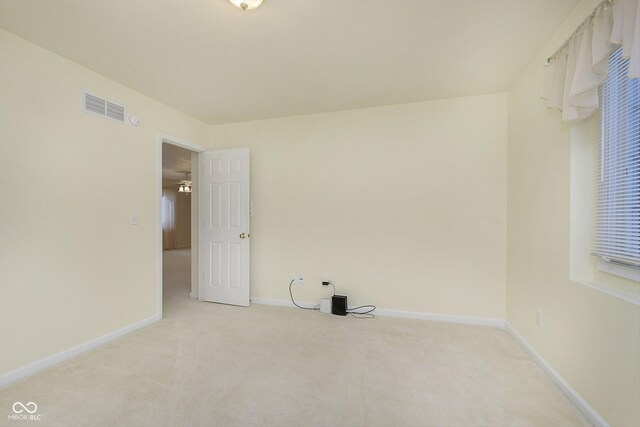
(178, 215)
(215, 266)
(177, 190)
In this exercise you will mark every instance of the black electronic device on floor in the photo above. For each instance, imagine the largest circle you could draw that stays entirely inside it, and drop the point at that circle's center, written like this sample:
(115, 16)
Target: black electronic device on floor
(339, 305)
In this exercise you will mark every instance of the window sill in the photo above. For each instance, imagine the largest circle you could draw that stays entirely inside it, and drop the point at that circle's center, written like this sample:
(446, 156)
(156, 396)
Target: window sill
(619, 270)
(633, 298)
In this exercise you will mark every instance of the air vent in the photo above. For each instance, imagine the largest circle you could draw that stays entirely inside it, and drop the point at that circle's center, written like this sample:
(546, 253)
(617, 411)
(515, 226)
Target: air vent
(115, 111)
(94, 104)
(104, 108)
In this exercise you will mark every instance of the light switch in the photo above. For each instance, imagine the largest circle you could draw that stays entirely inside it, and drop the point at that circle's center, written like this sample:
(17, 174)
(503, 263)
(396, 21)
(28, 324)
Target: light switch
(133, 219)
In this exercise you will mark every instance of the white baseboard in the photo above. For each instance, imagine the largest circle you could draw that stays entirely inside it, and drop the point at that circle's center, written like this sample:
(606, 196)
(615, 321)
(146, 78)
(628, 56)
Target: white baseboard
(39, 365)
(575, 398)
(278, 302)
(469, 320)
(193, 295)
(398, 313)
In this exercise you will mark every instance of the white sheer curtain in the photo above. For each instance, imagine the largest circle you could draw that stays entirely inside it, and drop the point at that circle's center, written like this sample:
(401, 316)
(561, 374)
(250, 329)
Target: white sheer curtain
(168, 218)
(578, 68)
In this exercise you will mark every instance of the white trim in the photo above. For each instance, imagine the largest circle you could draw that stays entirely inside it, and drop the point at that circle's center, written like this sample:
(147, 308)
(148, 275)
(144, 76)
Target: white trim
(496, 323)
(49, 361)
(173, 140)
(159, 247)
(193, 295)
(277, 302)
(575, 398)
(469, 320)
(201, 263)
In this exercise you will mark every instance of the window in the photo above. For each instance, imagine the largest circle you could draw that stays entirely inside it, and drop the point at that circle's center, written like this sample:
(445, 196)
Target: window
(616, 234)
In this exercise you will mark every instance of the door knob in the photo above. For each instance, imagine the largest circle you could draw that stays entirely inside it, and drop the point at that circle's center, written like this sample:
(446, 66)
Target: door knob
(244, 236)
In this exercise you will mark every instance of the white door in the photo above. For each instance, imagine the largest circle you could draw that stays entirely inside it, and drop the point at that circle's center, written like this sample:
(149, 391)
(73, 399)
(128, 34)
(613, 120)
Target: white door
(224, 232)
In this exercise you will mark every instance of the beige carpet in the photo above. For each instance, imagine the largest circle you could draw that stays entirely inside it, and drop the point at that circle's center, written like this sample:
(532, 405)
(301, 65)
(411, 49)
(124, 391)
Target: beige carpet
(209, 364)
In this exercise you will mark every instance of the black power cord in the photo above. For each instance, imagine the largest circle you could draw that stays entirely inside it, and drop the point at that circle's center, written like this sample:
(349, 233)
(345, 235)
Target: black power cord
(367, 314)
(325, 283)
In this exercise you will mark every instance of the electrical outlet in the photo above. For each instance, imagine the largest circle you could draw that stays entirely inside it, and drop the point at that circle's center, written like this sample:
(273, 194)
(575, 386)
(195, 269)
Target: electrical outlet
(539, 318)
(297, 278)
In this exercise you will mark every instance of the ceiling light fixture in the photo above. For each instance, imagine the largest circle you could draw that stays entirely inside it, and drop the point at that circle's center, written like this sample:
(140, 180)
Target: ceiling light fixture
(185, 185)
(246, 4)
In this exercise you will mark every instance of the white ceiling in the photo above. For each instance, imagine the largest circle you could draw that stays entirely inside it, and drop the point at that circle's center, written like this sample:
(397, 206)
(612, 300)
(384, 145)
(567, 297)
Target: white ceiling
(176, 165)
(215, 62)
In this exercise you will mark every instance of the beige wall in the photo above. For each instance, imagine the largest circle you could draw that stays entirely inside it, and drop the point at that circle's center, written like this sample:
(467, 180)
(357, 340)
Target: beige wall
(71, 267)
(591, 338)
(402, 206)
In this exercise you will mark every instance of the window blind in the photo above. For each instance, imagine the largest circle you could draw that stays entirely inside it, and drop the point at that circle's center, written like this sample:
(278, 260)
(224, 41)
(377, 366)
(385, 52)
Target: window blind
(616, 234)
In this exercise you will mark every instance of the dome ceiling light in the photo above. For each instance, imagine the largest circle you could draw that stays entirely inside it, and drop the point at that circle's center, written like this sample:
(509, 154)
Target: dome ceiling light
(246, 4)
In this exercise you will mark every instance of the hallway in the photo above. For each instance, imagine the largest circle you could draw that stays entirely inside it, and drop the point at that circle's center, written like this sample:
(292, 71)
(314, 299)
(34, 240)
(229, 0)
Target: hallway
(176, 280)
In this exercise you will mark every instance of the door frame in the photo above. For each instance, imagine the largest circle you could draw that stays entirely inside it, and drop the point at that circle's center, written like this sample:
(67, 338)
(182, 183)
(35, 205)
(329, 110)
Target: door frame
(165, 138)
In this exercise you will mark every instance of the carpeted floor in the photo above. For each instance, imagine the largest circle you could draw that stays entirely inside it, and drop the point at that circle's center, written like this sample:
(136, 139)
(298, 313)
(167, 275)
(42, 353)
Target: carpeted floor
(210, 364)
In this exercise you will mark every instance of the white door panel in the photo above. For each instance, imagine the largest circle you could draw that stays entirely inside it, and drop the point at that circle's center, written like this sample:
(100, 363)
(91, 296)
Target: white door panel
(224, 209)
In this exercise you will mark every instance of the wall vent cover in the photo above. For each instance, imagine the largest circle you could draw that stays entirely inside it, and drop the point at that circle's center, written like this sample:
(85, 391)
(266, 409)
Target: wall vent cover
(110, 110)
